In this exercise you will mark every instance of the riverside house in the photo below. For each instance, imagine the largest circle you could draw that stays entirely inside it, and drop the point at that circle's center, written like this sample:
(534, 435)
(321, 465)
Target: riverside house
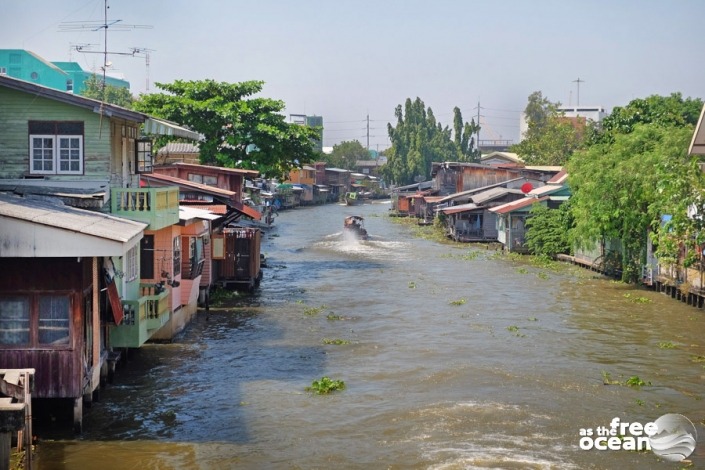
(70, 287)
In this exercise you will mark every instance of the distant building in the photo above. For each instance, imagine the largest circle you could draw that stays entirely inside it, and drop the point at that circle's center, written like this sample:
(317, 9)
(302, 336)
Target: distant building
(310, 121)
(62, 76)
(579, 114)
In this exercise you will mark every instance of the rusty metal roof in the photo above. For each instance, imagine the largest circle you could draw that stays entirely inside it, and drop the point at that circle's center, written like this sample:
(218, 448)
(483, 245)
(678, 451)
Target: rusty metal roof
(493, 193)
(521, 203)
(57, 215)
(460, 208)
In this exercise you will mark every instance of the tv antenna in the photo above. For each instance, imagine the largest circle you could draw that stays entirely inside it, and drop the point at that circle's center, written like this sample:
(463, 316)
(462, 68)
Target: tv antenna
(105, 25)
(578, 81)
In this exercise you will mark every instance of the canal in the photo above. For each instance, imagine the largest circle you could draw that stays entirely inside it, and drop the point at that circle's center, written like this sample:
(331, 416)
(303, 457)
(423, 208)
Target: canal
(458, 358)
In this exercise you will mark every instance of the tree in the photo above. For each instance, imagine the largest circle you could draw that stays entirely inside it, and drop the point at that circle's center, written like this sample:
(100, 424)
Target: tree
(418, 140)
(119, 96)
(622, 188)
(670, 110)
(239, 131)
(463, 136)
(539, 108)
(346, 154)
(548, 230)
(551, 138)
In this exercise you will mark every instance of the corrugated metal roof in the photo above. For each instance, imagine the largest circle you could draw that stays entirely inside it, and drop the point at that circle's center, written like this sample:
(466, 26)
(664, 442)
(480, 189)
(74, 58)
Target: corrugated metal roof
(493, 193)
(179, 148)
(337, 170)
(69, 218)
(544, 168)
(188, 184)
(512, 206)
(460, 208)
(219, 169)
(548, 189)
(477, 190)
(561, 177)
(432, 198)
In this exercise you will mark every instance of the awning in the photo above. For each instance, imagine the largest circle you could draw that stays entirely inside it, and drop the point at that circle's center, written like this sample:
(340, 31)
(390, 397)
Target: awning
(188, 213)
(156, 126)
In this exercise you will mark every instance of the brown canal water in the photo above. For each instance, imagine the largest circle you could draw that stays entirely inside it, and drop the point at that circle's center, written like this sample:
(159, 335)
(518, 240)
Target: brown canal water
(429, 384)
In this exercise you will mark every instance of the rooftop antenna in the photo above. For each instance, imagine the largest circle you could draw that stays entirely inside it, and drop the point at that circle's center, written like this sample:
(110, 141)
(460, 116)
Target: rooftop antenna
(578, 81)
(113, 25)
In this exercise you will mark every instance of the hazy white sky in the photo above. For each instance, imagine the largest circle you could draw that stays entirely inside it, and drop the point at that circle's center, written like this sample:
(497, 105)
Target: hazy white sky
(342, 58)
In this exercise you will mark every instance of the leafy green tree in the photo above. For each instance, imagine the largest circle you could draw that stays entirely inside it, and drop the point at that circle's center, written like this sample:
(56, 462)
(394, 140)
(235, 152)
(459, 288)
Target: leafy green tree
(239, 131)
(346, 154)
(119, 96)
(539, 108)
(670, 110)
(550, 138)
(622, 188)
(463, 136)
(548, 230)
(418, 140)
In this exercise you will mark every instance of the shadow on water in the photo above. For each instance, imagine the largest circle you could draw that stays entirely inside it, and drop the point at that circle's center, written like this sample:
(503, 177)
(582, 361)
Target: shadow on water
(191, 390)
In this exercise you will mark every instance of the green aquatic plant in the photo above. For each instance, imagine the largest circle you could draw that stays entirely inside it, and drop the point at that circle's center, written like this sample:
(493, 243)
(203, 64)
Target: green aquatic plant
(313, 311)
(412, 285)
(639, 402)
(470, 255)
(513, 328)
(542, 275)
(220, 295)
(335, 341)
(521, 271)
(300, 302)
(607, 381)
(446, 255)
(533, 319)
(666, 345)
(325, 385)
(458, 302)
(694, 358)
(636, 382)
(332, 316)
(637, 300)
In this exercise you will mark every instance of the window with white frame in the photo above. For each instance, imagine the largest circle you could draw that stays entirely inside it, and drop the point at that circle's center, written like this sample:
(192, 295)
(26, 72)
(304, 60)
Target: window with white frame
(3, 70)
(56, 148)
(69, 85)
(132, 264)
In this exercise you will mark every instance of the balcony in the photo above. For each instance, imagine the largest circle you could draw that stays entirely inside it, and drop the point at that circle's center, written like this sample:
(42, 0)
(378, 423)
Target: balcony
(143, 317)
(159, 207)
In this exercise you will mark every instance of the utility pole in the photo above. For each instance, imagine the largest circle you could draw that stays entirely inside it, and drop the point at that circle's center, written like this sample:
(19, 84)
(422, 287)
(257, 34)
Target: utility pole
(368, 130)
(578, 81)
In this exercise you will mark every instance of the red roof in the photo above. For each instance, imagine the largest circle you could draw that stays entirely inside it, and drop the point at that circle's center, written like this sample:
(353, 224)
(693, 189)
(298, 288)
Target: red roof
(221, 169)
(512, 206)
(560, 177)
(250, 212)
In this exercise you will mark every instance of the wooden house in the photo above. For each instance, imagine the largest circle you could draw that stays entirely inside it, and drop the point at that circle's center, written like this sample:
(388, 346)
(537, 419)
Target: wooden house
(66, 149)
(451, 178)
(61, 265)
(304, 178)
(511, 220)
(338, 180)
(474, 221)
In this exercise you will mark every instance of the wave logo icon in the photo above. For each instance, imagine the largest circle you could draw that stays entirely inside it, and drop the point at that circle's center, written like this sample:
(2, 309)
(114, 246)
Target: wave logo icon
(675, 439)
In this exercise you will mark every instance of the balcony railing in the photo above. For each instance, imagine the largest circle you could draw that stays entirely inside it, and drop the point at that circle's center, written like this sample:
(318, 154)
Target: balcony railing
(159, 207)
(142, 317)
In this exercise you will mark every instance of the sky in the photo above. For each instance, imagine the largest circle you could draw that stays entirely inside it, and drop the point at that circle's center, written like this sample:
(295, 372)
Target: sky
(345, 60)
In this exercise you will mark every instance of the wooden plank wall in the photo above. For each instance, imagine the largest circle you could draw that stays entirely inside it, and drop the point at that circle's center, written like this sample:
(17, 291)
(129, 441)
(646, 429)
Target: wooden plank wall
(19, 108)
(59, 372)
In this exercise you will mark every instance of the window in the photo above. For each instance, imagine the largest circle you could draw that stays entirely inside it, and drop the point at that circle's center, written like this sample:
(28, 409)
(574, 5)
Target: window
(54, 320)
(3, 70)
(210, 180)
(195, 178)
(69, 85)
(35, 320)
(34, 76)
(14, 320)
(132, 264)
(177, 256)
(143, 157)
(56, 147)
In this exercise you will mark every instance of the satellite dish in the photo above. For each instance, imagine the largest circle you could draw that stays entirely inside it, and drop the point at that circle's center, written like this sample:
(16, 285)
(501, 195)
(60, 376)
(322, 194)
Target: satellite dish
(419, 178)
